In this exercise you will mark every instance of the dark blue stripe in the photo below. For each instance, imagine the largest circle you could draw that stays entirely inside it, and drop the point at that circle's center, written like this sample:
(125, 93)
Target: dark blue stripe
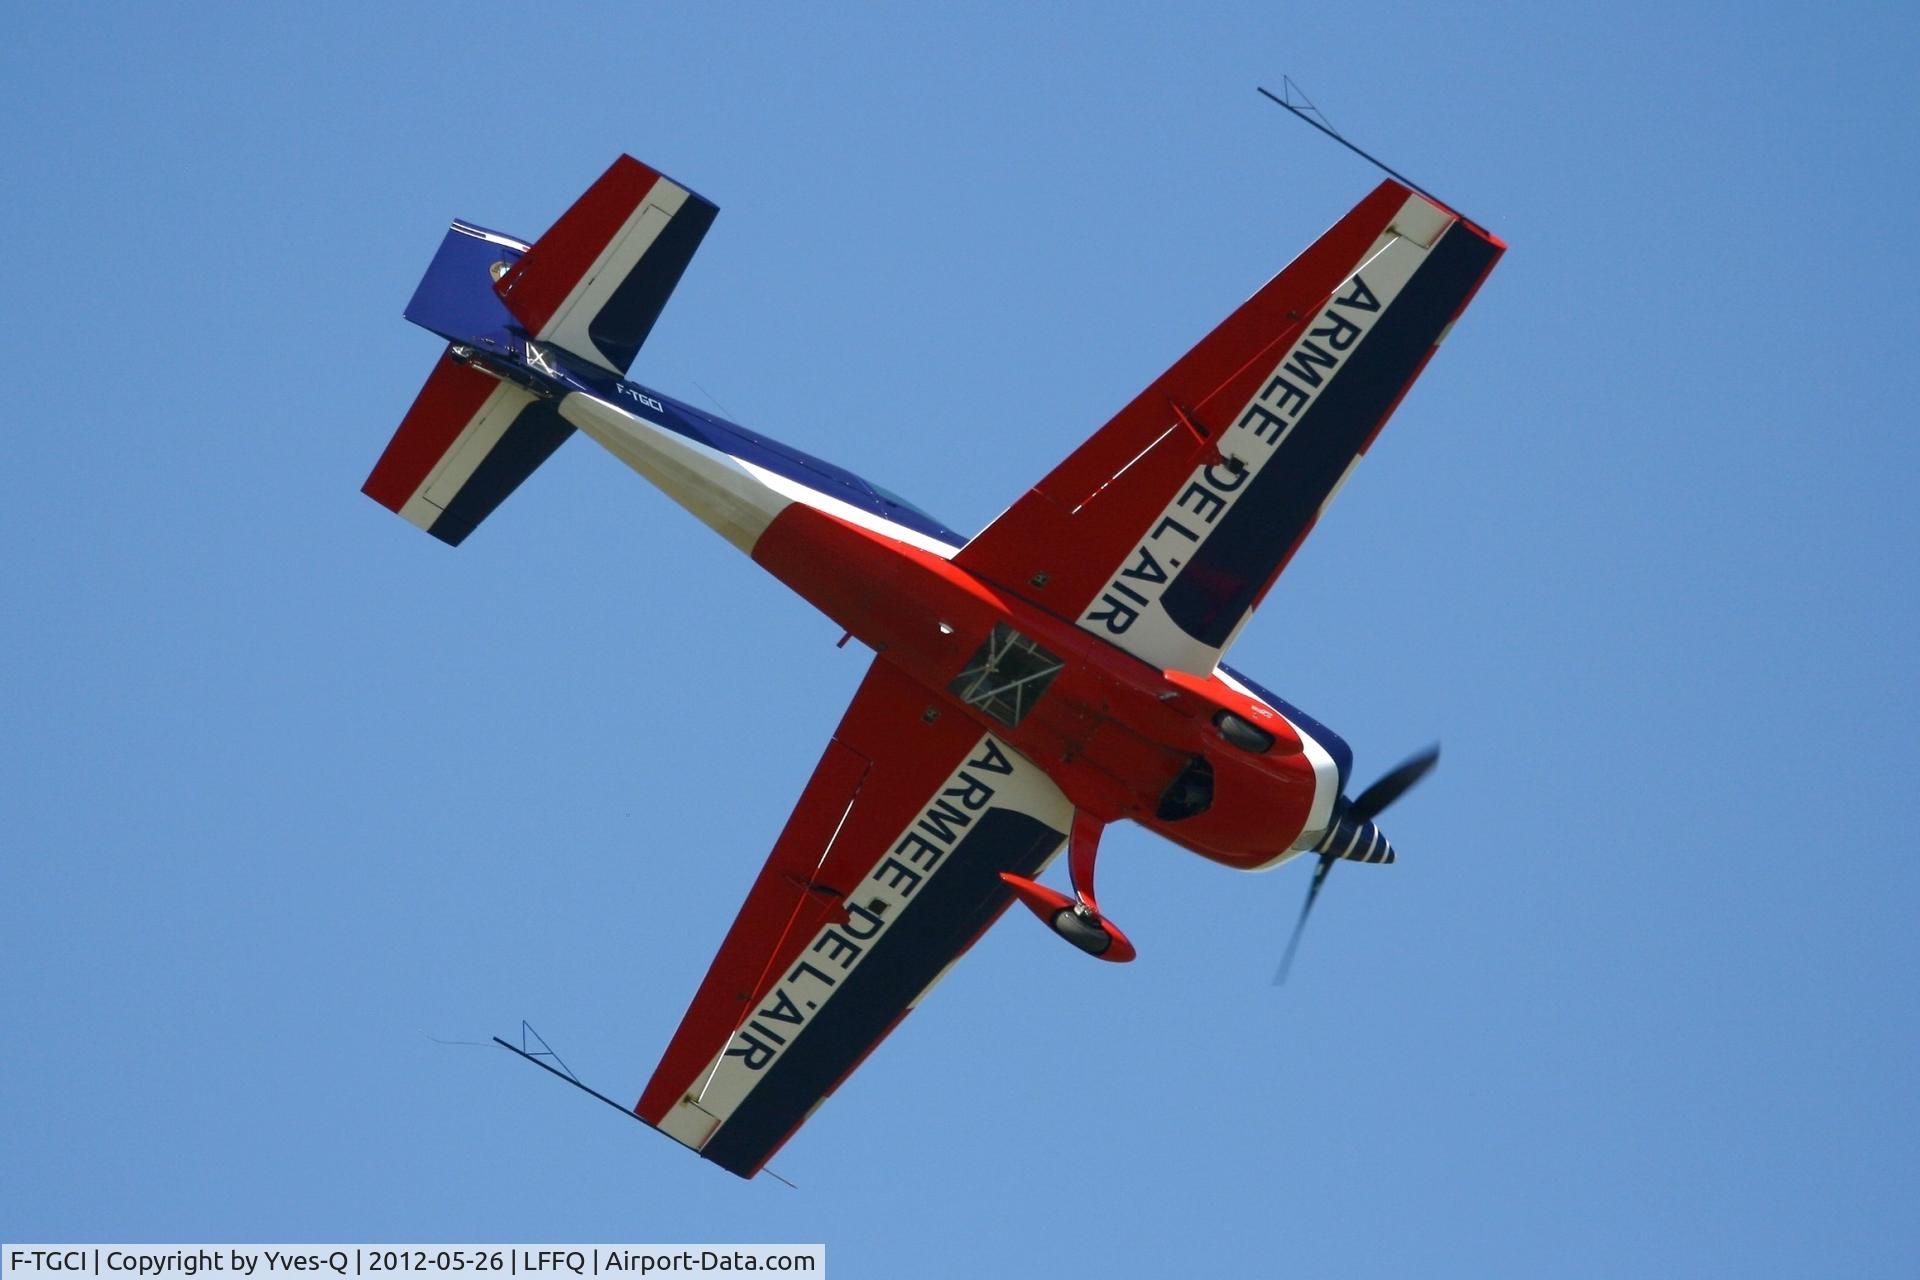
(1215, 588)
(628, 316)
(527, 443)
(947, 910)
(816, 473)
(736, 441)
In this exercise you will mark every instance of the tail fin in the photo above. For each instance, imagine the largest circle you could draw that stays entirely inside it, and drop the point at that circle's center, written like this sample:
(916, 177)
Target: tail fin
(592, 286)
(455, 298)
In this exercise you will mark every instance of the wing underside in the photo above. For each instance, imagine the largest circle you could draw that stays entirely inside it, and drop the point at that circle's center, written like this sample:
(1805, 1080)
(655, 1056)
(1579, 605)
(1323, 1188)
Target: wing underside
(887, 871)
(1164, 530)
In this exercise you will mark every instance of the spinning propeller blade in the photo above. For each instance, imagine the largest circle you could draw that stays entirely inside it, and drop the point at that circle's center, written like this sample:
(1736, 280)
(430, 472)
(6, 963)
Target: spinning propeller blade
(1300, 925)
(1394, 785)
(1364, 809)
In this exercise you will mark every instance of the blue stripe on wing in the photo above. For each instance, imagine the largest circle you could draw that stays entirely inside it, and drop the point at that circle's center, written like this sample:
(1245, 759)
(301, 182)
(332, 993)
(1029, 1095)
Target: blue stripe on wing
(949, 910)
(1216, 587)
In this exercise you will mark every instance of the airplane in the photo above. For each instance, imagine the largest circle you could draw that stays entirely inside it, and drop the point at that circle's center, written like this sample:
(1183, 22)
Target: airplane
(1058, 672)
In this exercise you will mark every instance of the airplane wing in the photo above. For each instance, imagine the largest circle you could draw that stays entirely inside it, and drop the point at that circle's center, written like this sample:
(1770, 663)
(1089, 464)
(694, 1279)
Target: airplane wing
(1164, 530)
(887, 871)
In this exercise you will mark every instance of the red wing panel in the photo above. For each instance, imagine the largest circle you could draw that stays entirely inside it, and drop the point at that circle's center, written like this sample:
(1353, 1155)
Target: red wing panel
(1163, 531)
(887, 871)
(595, 283)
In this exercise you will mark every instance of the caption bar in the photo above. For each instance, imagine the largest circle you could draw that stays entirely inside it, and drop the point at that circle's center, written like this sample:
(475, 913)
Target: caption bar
(320, 1261)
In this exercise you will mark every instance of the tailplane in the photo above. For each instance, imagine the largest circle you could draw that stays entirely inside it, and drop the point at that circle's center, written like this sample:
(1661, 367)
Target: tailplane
(468, 441)
(595, 283)
(591, 287)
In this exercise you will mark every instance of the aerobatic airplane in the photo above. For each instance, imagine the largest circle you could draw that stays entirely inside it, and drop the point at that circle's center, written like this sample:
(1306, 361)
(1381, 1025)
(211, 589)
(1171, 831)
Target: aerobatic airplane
(1060, 671)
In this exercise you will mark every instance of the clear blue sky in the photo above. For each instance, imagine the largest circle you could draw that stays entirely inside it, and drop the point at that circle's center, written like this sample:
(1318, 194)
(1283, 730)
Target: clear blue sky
(287, 787)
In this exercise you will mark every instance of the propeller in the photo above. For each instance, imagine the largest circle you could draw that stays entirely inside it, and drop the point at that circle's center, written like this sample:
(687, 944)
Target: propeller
(1394, 785)
(1357, 814)
(1299, 926)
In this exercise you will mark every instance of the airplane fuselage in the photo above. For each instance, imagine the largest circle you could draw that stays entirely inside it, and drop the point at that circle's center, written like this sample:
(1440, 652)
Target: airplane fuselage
(1202, 761)
(1115, 733)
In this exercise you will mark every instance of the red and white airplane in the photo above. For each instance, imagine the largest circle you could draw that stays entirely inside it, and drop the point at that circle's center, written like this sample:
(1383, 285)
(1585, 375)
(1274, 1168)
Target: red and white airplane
(1059, 671)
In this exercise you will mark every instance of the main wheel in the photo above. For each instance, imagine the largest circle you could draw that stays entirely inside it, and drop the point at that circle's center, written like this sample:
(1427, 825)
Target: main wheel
(1082, 932)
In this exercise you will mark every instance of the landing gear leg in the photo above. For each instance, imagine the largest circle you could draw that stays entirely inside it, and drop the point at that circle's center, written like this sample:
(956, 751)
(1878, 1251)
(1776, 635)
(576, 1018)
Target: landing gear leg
(1077, 919)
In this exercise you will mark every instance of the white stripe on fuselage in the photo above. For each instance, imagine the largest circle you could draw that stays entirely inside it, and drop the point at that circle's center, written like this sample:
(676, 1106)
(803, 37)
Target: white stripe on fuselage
(833, 506)
(738, 499)
(1326, 777)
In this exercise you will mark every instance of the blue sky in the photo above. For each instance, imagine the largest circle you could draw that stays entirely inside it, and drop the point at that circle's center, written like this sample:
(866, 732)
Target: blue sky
(289, 788)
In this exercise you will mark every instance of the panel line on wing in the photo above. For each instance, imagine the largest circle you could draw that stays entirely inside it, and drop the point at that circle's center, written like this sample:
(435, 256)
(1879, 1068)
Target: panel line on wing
(990, 794)
(1151, 445)
(786, 931)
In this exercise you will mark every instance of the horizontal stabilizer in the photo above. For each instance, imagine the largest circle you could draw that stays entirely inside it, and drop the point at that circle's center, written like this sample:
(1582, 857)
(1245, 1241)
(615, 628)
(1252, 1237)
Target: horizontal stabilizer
(595, 283)
(467, 442)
